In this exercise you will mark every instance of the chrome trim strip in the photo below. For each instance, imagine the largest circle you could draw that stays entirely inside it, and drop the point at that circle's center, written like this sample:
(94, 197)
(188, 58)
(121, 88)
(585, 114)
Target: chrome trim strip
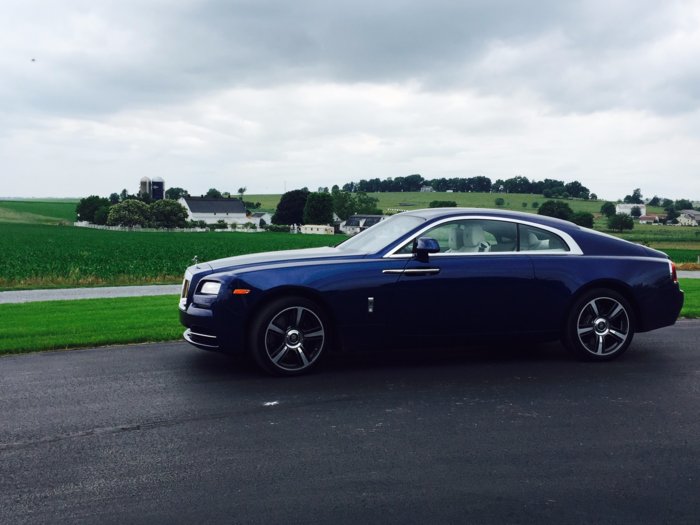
(574, 249)
(392, 271)
(424, 270)
(187, 335)
(202, 335)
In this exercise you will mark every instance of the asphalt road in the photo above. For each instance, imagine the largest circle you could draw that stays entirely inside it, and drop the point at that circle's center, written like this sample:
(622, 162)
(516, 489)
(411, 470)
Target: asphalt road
(169, 434)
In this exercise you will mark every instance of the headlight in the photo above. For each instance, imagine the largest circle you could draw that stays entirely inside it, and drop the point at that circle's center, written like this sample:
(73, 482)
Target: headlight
(210, 288)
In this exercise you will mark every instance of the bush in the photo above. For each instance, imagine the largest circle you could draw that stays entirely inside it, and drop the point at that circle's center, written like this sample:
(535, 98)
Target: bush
(130, 213)
(277, 228)
(102, 215)
(582, 218)
(442, 204)
(535, 205)
(558, 209)
(620, 221)
(547, 194)
(565, 195)
(524, 204)
(499, 202)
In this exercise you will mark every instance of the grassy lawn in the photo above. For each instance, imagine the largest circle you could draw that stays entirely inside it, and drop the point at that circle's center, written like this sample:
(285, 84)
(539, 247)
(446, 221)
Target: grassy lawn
(59, 325)
(38, 211)
(691, 307)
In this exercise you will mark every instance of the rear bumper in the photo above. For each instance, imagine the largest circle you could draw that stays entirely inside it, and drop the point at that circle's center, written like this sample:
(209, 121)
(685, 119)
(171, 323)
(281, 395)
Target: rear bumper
(664, 310)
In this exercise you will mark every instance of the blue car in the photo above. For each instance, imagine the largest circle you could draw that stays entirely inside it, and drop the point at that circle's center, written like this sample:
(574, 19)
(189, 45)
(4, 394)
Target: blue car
(428, 278)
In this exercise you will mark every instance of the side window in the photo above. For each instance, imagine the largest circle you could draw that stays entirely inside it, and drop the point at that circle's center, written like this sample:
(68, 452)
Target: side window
(472, 236)
(535, 239)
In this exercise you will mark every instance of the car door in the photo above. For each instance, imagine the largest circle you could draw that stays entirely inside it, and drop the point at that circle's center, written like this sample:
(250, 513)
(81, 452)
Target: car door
(477, 285)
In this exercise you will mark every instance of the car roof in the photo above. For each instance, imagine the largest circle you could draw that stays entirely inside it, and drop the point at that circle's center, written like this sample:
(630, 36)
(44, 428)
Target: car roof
(435, 213)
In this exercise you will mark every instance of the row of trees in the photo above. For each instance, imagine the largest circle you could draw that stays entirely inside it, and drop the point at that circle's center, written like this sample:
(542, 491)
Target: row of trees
(304, 207)
(479, 184)
(132, 212)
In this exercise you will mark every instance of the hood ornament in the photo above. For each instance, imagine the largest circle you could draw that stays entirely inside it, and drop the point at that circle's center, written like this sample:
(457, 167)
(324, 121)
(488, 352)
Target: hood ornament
(195, 261)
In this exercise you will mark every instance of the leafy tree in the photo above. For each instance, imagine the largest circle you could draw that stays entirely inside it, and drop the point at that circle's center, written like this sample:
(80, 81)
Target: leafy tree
(124, 195)
(221, 224)
(558, 209)
(672, 215)
(88, 206)
(262, 223)
(499, 202)
(635, 198)
(241, 191)
(584, 195)
(683, 204)
(251, 205)
(318, 209)
(101, 215)
(290, 209)
(666, 203)
(535, 205)
(565, 195)
(344, 204)
(366, 205)
(114, 198)
(655, 201)
(168, 214)
(608, 209)
(442, 204)
(145, 197)
(130, 213)
(176, 193)
(636, 211)
(335, 188)
(213, 192)
(620, 221)
(582, 218)
(594, 197)
(547, 194)
(524, 204)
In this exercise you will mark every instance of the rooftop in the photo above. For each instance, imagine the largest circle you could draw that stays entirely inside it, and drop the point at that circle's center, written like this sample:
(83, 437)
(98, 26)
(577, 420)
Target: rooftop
(214, 205)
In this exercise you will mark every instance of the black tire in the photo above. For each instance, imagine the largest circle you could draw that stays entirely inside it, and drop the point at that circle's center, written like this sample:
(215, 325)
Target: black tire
(600, 326)
(289, 336)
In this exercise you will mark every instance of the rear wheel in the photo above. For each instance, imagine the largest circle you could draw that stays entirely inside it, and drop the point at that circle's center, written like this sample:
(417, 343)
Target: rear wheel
(600, 326)
(289, 336)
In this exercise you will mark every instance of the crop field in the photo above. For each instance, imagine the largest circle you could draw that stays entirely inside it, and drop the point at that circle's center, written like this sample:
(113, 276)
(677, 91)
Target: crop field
(44, 256)
(37, 211)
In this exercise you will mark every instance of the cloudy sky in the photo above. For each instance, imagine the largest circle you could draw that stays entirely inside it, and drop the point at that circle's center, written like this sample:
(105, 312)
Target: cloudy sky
(263, 93)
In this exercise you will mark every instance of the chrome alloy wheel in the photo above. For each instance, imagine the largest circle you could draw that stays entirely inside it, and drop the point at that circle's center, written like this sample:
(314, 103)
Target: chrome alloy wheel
(603, 326)
(294, 338)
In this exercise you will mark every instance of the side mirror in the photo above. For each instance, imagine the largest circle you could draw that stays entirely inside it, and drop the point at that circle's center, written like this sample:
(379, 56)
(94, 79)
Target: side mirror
(423, 246)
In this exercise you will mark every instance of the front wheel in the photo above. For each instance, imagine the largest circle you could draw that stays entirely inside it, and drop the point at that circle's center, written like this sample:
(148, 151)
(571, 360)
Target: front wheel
(289, 336)
(600, 326)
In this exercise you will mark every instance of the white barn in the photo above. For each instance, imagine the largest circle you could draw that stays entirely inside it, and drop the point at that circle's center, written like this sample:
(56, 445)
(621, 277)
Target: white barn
(213, 209)
(627, 208)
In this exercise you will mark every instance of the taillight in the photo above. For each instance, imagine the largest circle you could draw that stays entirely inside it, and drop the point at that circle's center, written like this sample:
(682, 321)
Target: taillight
(674, 275)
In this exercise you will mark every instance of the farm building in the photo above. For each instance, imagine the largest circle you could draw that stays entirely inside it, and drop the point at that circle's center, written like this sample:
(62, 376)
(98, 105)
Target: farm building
(652, 218)
(261, 217)
(357, 223)
(627, 208)
(320, 229)
(212, 209)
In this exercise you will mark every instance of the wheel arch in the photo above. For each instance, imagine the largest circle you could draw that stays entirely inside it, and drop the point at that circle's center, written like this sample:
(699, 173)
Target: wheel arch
(296, 291)
(617, 286)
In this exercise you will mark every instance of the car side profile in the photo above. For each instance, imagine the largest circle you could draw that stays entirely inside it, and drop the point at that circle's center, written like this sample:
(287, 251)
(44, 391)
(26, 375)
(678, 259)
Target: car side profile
(428, 278)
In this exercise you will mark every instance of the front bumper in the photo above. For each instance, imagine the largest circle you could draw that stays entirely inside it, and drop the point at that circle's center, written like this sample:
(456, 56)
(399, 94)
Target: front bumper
(211, 330)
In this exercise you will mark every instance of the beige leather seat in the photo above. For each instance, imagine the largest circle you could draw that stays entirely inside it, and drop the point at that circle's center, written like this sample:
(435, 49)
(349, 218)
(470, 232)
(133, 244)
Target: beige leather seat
(474, 239)
(455, 239)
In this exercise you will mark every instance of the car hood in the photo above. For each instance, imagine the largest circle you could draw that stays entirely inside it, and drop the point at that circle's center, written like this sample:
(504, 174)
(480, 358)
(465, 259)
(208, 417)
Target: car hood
(286, 256)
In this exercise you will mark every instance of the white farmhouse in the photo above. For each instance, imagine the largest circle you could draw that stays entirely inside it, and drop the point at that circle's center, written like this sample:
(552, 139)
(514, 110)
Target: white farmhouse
(357, 223)
(213, 209)
(627, 208)
(259, 217)
(689, 218)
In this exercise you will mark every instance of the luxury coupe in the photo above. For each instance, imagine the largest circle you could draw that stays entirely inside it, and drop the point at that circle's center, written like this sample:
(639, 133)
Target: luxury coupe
(429, 278)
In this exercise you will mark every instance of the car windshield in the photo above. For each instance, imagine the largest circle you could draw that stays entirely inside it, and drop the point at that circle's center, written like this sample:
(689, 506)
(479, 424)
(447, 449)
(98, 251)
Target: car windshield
(382, 234)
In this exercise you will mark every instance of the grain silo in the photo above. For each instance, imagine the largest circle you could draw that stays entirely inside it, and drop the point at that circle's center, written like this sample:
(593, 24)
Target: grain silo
(145, 185)
(157, 188)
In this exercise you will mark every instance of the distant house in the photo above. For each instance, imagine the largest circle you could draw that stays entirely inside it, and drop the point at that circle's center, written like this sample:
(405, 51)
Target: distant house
(627, 208)
(426, 188)
(689, 218)
(263, 216)
(212, 209)
(319, 229)
(357, 223)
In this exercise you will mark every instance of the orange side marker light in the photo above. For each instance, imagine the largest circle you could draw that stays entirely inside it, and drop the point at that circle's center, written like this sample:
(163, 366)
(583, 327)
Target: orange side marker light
(240, 291)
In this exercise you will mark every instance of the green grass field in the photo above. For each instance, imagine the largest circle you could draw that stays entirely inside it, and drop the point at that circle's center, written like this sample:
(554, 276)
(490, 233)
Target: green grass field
(39, 255)
(59, 325)
(38, 211)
